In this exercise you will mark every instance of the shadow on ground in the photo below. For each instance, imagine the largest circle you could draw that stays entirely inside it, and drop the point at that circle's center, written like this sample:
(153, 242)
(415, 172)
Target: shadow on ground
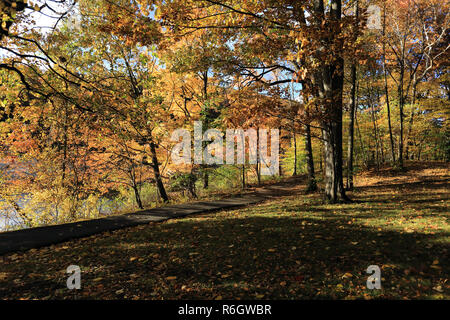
(296, 247)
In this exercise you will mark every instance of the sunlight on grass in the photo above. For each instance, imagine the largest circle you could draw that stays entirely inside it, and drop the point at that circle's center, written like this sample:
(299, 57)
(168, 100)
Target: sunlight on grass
(294, 247)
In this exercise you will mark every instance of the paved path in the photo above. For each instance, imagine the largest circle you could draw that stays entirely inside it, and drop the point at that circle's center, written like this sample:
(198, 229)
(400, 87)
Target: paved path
(43, 236)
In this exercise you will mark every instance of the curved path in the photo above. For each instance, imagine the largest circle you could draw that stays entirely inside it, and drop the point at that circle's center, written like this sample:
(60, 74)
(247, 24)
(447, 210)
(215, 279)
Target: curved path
(43, 236)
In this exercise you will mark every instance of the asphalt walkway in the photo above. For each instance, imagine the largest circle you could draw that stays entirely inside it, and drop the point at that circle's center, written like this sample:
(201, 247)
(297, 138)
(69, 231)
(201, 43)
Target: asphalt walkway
(43, 236)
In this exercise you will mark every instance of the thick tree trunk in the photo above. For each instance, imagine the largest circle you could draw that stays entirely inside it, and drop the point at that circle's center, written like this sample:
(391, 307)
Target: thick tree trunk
(334, 186)
(333, 81)
(332, 86)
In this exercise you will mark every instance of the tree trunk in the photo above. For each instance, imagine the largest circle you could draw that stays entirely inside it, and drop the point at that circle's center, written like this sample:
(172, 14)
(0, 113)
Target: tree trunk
(351, 126)
(155, 166)
(258, 162)
(401, 106)
(280, 172)
(205, 99)
(294, 138)
(332, 81)
(375, 133)
(334, 186)
(401, 101)
(386, 90)
(312, 184)
(137, 197)
(361, 142)
(205, 178)
(243, 177)
(332, 131)
(411, 120)
(351, 129)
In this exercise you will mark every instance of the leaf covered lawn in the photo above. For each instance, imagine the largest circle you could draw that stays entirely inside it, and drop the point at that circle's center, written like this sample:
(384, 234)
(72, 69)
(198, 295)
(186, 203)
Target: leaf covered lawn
(294, 247)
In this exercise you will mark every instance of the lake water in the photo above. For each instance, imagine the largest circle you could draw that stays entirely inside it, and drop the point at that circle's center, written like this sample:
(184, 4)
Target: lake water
(9, 218)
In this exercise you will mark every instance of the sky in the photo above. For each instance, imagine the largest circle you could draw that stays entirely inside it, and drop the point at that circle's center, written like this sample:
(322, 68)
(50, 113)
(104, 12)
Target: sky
(46, 19)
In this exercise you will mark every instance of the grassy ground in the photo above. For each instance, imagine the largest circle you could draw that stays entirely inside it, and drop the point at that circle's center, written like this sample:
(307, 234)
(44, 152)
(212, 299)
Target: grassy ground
(293, 247)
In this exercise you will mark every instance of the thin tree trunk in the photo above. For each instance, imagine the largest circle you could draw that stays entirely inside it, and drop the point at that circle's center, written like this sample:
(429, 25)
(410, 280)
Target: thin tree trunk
(205, 99)
(363, 150)
(65, 140)
(155, 165)
(18, 209)
(386, 89)
(351, 129)
(401, 105)
(280, 172)
(137, 197)
(401, 99)
(294, 138)
(244, 186)
(411, 120)
(375, 132)
(351, 126)
(312, 184)
(258, 162)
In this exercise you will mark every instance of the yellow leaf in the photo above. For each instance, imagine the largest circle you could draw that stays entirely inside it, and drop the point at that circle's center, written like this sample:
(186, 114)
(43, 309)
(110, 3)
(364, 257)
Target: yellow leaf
(171, 278)
(438, 289)
(347, 275)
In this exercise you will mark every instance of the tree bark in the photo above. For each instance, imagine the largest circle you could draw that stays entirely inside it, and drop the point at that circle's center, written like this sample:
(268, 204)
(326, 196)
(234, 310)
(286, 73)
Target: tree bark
(244, 186)
(205, 99)
(294, 138)
(137, 197)
(351, 126)
(401, 106)
(330, 90)
(411, 120)
(258, 162)
(157, 173)
(351, 130)
(375, 133)
(386, 89)
(312, 184)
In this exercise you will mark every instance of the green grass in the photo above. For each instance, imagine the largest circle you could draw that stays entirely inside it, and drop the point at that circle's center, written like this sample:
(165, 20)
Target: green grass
(297, 247)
